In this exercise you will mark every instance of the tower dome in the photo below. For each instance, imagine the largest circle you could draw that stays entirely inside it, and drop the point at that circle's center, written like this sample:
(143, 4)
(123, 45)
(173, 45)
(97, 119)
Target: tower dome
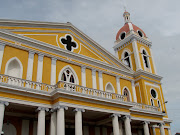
(128, 27)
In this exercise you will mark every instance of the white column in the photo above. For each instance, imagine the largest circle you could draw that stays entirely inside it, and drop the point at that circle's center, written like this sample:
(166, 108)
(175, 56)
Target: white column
(146, 128)
(154, 131)
(83, 76)
(41, 120)
(78, 121)
(53, 71)
(30, 66)
(120, 128)
(136, 54)
(61, 120)
(2, 45)
(134, 91)
(161, 126)
(118, 85)
(169, 131)
(154, 66)
(53, 124)
(97, 131)
(115, 124)
(127, 125)
(100, 81)
(25, 127)
(94, 79)
(40, 67)
(2, 109)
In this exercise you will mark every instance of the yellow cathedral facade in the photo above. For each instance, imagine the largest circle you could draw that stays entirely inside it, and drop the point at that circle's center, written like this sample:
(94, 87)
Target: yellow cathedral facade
(55, 80)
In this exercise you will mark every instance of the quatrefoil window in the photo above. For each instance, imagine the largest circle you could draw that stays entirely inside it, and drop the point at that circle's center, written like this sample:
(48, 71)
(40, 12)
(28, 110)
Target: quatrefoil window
(69, 42)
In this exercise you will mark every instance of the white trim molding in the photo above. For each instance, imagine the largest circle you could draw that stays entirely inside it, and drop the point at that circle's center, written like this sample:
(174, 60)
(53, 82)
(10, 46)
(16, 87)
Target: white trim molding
(136, 54)
(100, 80)
(118, 85)
(94, 79)
(83, 76)
(53, 71)
(21, 66)
(2, 45)
(134, 91)
(40, 68)
(30, 65)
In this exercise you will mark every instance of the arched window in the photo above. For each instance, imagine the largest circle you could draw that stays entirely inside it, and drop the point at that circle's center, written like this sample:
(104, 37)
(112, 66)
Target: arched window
(152, 102)
(68, 76)
(145, 58)
(159, 104)
(126, 93)
(14, 68)
(109, 88)
(127, 60)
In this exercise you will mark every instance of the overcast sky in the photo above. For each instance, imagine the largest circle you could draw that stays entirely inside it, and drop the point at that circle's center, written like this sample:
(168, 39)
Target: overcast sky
(101, 19)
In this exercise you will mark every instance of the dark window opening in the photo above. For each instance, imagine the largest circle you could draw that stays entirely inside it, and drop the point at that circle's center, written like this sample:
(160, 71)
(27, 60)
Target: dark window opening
(153, 93)
(152, 103)
(145, 58)
(127, 59)
(126, 93)
(140, 33)
(63, 78)
(123, 35)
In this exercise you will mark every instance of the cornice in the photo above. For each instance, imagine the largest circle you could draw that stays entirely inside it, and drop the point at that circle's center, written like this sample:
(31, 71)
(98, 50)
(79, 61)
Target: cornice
(148, 74)
(59, 51)
(68, 25)
(130, 38)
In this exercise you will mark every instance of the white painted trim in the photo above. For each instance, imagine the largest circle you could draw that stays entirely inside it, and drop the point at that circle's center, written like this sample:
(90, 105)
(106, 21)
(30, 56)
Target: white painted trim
(30, 66)
(53, 71)
(134, 91)
(21, 66)
(40, 68)
(128, 91)
(136, 54)
(94, 84)
(83, 76)
(2, 45)
(153, 85)
(149, 64)
(72, 70)
(118, 85)
(122, 56)
(100, 80)
(153, 62)
(109, 83)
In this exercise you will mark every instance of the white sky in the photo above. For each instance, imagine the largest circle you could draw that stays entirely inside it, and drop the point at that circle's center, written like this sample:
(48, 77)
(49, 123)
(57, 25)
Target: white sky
(101, 19)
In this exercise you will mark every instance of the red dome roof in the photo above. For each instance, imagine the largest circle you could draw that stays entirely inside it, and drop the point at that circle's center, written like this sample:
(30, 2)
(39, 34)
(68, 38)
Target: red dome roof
(127, 27)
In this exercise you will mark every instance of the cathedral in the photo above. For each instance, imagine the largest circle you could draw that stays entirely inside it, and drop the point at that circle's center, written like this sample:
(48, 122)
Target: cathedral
(55, 80)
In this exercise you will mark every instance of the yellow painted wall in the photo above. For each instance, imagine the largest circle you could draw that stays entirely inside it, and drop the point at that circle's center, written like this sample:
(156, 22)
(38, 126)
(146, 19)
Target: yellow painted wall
(128, 47)
(46, 77)
(140, 46)
(138, 94)
(88, 78)
(10, 52)
(111, 79)
(60, 65)
(125, 83)
(157, 131)
(34, 75)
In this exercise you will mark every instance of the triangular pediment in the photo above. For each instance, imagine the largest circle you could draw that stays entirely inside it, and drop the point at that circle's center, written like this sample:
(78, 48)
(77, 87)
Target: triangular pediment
(62, 36)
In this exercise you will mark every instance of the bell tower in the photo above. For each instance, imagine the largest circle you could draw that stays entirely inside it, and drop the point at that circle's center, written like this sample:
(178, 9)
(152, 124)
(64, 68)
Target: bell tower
(133, 47)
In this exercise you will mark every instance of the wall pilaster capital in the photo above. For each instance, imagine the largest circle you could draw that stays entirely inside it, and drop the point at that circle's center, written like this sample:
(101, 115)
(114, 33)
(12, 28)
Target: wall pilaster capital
(133, 40)
(61, 107)
(53, 61)
(42, 109)
(83, 67)
(118, 77)
(40, 57)
(4, 103)
(93, 70)
(145, 122)
(115, 115)
(79, 109)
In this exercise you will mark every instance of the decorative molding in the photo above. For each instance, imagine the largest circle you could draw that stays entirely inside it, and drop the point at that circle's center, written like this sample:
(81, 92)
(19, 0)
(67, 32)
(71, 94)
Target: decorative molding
(4, 103)
(114, 115)
(79, 109)
(42, 109)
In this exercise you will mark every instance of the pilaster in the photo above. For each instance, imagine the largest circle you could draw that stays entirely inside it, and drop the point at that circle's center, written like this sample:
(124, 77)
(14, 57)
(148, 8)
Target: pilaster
(100, 80)
(118, 85)
(94, 79)
(134, 91)
(53, 71)
(30, 65)
(40, 68)
(83, 76)
(2, 45)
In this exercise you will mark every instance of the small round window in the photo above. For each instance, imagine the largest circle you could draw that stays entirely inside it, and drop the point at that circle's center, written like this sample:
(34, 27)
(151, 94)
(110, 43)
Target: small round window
(123, 35)
(140, 33)
(153, 93)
